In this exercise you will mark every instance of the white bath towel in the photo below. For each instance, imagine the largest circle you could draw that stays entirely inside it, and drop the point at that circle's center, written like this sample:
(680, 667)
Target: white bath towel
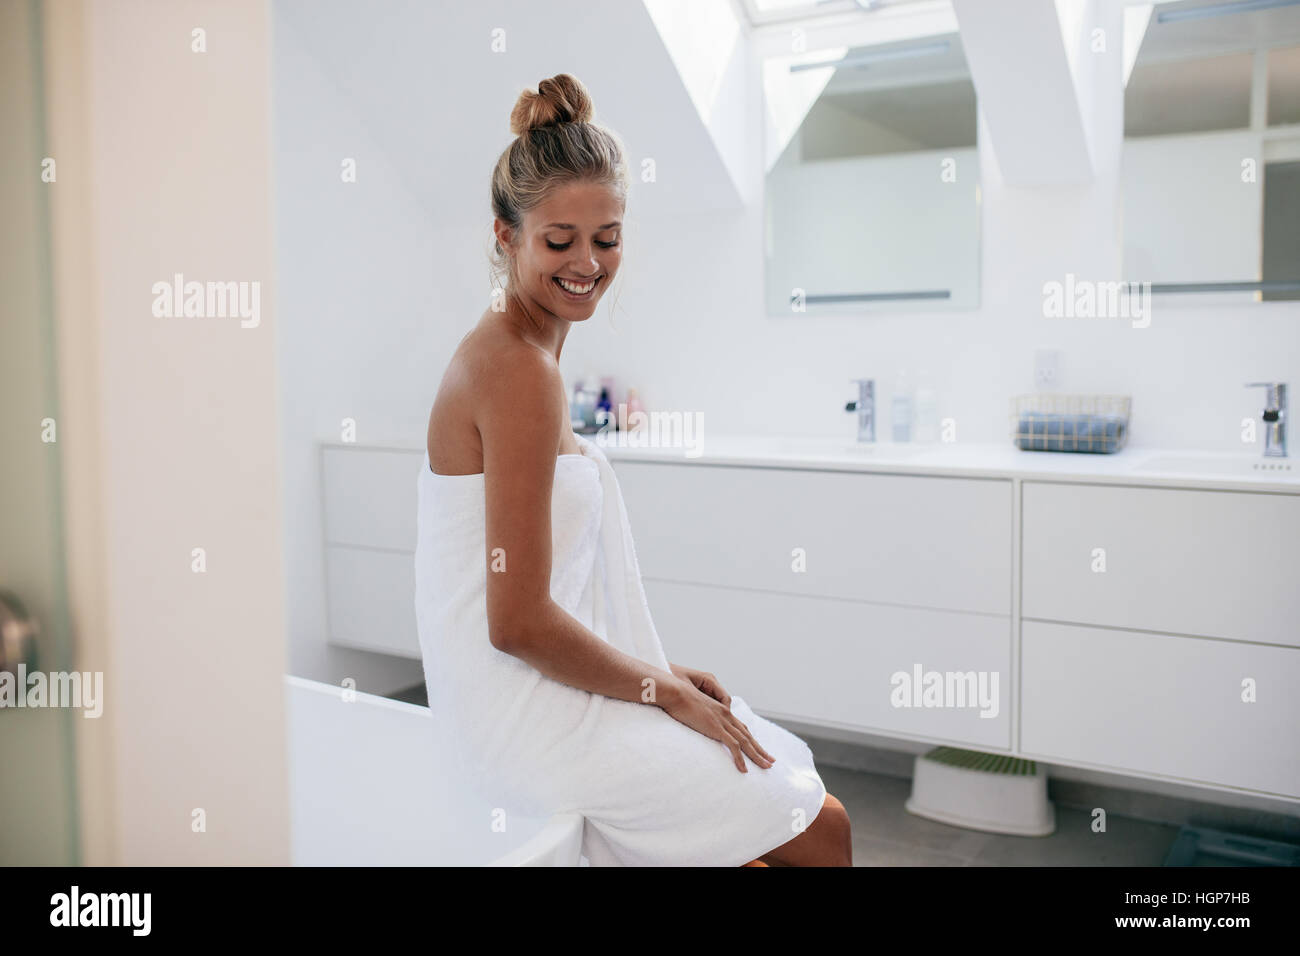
(652, 790)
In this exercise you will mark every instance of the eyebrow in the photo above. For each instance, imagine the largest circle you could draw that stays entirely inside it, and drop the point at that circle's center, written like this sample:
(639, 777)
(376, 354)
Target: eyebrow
(565, 225)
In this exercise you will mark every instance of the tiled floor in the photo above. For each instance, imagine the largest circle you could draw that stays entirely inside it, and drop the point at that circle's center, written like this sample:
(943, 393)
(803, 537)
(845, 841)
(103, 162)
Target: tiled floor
(885, 834)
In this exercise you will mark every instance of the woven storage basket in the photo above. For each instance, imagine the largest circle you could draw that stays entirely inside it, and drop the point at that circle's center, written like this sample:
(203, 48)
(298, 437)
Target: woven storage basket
(1048, 421)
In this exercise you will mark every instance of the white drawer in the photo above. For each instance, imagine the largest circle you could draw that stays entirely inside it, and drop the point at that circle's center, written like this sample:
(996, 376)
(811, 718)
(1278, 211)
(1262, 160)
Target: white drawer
(928, 542)
(825, 660)
(1159, 704)
(369, 496)
(371, 600)
(1214, 563)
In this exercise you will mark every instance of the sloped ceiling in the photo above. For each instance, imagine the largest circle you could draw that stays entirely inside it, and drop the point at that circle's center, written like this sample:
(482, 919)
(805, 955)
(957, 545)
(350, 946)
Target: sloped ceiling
(1026, 86)
(426, 83)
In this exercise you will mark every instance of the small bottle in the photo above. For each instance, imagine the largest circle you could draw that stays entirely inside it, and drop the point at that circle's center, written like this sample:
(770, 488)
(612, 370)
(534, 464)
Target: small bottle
(900, 417)
(927, 411)
(578, 408)
(575, 407)
(604, 408)
(605, 405)
(634, 407)
(586, 403)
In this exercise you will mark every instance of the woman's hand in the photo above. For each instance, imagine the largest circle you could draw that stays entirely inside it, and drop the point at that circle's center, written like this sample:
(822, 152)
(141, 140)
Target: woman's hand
(704, 681)
(688, 704)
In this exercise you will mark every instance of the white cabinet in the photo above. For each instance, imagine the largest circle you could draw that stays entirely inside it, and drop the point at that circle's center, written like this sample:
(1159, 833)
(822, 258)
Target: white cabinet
(368, 501)
(1138, 668)
(1162, 704)
(806, 591)
(1212, 563)
(369, 497)
(830, 661)
(924, 541)
(371, 603)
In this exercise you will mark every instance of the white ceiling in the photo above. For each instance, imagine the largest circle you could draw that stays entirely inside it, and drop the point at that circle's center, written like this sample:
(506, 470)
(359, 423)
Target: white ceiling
(422, 78)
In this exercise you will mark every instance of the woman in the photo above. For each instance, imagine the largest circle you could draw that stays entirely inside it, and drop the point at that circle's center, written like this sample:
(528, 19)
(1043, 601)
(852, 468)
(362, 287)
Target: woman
(542, 659)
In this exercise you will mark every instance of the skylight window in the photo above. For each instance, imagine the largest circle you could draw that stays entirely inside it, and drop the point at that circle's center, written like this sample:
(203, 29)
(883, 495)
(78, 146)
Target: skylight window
(773, 11)
(701, 39)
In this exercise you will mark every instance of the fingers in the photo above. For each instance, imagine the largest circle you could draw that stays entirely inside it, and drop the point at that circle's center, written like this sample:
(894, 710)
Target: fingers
(754, 741)
(732, 733)
(709, 684)
(733, 745)
(718, 692)
(749, 745)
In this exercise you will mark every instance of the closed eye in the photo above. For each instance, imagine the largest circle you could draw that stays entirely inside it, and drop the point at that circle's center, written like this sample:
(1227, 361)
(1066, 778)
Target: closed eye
(559, 247)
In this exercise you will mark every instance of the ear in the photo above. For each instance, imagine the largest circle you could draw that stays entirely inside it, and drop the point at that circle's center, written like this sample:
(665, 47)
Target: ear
(503, 234)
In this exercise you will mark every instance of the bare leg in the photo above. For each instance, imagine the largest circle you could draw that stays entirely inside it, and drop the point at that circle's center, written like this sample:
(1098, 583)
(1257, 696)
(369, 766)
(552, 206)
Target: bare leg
(828, 841)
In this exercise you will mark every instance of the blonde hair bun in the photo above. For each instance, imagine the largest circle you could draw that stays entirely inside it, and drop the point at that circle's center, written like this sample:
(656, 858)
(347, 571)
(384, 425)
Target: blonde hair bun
(561, 99)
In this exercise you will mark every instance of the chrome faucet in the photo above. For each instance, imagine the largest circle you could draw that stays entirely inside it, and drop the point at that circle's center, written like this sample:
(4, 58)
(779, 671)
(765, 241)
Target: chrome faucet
(865, 406)
(1274, 418)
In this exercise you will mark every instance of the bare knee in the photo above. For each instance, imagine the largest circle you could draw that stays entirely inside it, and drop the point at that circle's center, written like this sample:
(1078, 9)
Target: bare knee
(836, 832)
(828, 840)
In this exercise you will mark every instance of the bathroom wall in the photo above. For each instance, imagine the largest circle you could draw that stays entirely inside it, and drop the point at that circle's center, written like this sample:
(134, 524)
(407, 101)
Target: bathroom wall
(702, 342)
(379, 279)
(362, 311)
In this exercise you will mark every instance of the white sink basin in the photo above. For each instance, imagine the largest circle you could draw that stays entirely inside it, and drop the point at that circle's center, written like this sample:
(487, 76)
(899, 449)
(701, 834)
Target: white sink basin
(835, 447)
(885, 449)
(1221, 465)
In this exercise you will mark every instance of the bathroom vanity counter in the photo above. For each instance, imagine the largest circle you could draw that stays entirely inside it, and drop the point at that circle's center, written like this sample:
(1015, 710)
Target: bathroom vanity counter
(1122, 607)
(1130, 466)
(1119, 609)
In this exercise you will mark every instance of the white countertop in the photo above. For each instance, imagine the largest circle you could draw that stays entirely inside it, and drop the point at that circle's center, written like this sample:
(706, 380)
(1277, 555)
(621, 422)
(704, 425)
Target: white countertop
(1130, 466)
(1178, 468)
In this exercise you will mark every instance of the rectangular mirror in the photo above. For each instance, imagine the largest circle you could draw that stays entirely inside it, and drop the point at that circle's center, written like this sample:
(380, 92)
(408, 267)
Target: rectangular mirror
(1211, 156)
(872, 198)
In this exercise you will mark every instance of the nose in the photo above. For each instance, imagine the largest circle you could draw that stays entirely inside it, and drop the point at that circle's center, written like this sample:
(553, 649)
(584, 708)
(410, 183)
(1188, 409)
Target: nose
(586, 267)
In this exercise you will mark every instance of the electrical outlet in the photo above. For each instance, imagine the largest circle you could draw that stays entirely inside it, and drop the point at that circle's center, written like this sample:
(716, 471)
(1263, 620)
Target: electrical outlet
(1047, 369)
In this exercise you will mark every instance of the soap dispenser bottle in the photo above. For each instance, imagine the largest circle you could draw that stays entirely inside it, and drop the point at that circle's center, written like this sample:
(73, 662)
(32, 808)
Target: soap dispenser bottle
(900, 417)
(605, 405)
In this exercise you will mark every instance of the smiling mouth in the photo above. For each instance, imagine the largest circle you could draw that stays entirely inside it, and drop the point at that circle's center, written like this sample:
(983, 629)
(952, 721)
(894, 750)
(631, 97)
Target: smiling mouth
(577, 291)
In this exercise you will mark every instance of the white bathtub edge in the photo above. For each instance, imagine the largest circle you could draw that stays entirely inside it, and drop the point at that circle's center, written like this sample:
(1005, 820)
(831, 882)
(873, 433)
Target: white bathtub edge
(558, 844)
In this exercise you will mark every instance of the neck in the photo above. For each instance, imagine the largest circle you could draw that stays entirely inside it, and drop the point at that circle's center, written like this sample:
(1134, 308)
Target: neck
(537, 325)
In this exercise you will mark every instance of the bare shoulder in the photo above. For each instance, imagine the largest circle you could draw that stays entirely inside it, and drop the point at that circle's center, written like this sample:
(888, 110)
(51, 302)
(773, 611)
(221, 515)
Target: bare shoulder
(494, 363)
(520, 407)
(497, 388)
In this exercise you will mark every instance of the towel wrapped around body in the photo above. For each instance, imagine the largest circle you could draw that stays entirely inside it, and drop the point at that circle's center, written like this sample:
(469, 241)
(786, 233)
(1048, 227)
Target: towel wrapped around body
(653, 791)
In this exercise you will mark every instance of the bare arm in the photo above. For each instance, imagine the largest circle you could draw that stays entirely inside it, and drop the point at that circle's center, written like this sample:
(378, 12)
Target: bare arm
(520, 424)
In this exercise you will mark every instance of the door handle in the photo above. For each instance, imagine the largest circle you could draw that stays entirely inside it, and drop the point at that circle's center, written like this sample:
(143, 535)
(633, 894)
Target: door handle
(18, 631)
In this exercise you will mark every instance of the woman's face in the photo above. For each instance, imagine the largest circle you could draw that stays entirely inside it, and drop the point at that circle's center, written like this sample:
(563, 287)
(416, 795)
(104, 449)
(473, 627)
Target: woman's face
(572, 239)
